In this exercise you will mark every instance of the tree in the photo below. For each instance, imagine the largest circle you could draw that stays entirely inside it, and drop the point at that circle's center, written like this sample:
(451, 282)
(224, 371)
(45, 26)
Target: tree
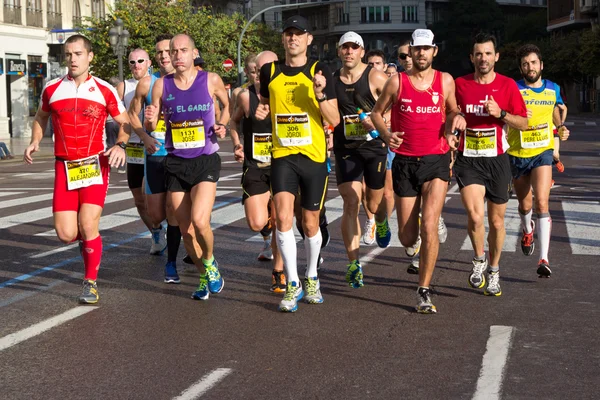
(216, 35)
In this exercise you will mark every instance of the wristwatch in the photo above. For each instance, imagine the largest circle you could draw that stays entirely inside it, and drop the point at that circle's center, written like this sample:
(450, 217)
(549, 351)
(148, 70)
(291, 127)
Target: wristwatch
(502, 114)
(322, 99)
(121, 144)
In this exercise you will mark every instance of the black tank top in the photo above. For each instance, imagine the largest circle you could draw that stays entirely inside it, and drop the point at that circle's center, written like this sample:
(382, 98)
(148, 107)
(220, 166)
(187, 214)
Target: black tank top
(250, 126)
(350, 97)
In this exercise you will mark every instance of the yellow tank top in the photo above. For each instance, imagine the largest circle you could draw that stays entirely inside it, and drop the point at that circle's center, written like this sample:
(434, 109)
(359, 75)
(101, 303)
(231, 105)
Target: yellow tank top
(538, 137)
(295, 114)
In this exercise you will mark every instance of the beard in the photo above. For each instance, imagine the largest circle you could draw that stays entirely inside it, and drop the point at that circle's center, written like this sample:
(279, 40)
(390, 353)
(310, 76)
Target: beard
(533, 79)
(419, 67)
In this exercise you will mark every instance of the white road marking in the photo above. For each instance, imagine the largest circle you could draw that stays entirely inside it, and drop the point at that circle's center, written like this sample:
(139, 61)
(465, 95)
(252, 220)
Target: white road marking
(25, 200)
(59, 250)
(590, 123)
(512, 224)
(583, 226)
(34, 330)
(36, 188)
(204, 384)
(489, 384)
(230, 177)
(229, 162)
(393, 221)
(3, 194)
(569, 123)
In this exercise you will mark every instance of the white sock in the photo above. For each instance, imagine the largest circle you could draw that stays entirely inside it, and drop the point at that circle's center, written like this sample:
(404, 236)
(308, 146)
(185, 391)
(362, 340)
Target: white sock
(313, 248)
(287, 248)
(526, 221)
(544, 227)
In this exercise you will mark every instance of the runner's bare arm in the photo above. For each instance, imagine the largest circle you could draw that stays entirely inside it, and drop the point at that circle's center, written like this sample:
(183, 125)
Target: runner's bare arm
(329, 107)
(37, 133)
(514, 121)
(377, 80)
(152, 112)
(116, 155)
(121, 90)
(384, 102)
(216, 88)
(135, 107)
(241, 109)
(233, 100)
(455, 120)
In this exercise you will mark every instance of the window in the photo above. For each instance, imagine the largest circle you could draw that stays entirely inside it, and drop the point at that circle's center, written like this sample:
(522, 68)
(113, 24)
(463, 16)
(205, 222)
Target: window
(76, 13)
(410, 14)
(98, 9)
(54, 15)
(375, 14)
(34, 13)
(12, 11)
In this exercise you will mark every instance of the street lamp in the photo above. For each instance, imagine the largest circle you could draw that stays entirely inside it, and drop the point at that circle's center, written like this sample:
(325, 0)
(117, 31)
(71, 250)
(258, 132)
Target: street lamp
(119, 38)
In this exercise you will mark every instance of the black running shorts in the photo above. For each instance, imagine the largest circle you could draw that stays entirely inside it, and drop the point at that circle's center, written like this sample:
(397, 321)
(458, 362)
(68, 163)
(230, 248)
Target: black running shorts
(492, 172)
(297, 173)
(410, 173)
(155, 174)
(354, 164)
(182, 174)
(135, 175)
(255, 181)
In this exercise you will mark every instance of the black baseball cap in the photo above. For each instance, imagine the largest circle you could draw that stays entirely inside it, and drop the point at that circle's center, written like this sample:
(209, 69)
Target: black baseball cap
(199, 61)
(297, 21)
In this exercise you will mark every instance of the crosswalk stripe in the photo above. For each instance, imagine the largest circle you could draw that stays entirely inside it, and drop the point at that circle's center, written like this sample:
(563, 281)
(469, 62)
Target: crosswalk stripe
(512, 224)
(25, 200)
(590, 123)
(3, 194)
(583, 226)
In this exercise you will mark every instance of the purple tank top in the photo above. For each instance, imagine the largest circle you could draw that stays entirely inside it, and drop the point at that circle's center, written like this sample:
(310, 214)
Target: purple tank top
(189, 118)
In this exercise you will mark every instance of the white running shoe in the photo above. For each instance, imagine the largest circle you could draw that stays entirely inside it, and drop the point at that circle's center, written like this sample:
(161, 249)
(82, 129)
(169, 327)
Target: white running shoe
(369, 232)
(477, 277)
(414, 249)
(442, 230)
(493, 284)
(159, 241)
(267, 253)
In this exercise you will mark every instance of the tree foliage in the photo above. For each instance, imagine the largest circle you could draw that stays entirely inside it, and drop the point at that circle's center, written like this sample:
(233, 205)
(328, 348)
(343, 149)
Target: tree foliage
(216, 35)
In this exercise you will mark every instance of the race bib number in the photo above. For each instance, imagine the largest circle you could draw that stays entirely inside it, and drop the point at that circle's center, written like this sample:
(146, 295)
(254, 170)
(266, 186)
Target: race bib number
(480, 142)
(135, 153)
(161, 126)
(536, 137)
(188, 134)
(83, 173)
(262, 143)
(353, 129)
(293, 129)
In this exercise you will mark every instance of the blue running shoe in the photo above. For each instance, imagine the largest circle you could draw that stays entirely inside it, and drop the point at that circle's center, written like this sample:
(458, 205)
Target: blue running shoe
(293, 294)
(171, 272)
(383, 234)
(354, 275)
(202, 292)
(215, 281)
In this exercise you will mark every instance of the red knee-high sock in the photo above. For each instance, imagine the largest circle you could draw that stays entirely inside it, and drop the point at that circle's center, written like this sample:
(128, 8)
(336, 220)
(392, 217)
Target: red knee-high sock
(92, 254)
(77, 238)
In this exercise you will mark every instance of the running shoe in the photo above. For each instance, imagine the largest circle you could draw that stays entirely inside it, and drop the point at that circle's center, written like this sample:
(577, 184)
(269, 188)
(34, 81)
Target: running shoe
(293, 294)
(543, 269)
(383, 235)
(320, 262)
(493, 284)
(89, 295)
(527, 242)
(159, 241)
(413, 268)
(354, 275)
(188, 260)
(369, 235)
(267, 253)
(313, 291)
(414, 249)
(202, 291)
(171, 272)
(215, 280)
(552, 184)
(442, 230)
(278, 282)
(424, 304)
(560, 167)
(477, 277)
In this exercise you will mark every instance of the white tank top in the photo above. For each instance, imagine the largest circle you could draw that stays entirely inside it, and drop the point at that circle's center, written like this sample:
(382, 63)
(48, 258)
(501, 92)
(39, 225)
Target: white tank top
(128, 93)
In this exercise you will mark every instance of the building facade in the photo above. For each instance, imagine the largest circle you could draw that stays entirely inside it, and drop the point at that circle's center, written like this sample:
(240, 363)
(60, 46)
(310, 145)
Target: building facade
(32, 33)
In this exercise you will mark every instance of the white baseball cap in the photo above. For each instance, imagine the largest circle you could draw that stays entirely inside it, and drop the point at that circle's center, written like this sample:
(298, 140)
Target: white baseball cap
(351, 37)
(422, 37)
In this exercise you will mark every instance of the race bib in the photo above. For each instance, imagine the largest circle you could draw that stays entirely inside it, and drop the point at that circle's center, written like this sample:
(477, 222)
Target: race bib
(262, 143)
(353, 129)
(160, 126)
(188, 134)
(293, 129)
(83, 173)
(135, 153)
(536, 137)
(480, 142)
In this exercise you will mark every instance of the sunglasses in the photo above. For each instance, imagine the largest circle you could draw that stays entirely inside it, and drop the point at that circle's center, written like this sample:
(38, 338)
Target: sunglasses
(139, 61)
(403, 56)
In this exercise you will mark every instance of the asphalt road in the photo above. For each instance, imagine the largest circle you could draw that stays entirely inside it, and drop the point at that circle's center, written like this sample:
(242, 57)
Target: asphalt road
(149, 340)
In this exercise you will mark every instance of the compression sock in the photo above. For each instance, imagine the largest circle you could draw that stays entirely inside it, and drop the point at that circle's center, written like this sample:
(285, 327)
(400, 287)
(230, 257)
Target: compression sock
(173, 242)
(286, 242)
(92, 255)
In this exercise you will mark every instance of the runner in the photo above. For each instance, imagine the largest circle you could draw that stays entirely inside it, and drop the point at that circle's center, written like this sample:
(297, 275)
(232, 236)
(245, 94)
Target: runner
(376, 60)
(192, 166)
(251, 72)
(79, 104)
(421, 100)
(358, 155)
(256, 180)
(492, 103)
(391, 69)
(298, 95)
(155, 152)
(531, 151)
(139, 64)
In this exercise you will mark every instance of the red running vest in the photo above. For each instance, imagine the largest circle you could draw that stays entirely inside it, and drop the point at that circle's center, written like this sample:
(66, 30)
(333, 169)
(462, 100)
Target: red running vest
(421, 115)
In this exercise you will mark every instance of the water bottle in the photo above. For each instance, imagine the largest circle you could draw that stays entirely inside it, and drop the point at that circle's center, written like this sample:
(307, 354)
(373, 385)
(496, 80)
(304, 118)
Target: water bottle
(362, 116)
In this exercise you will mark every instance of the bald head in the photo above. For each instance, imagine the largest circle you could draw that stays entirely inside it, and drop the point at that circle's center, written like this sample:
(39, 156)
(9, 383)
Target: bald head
(139, 63)
(183, 51)
(265, 57)
(183, 37)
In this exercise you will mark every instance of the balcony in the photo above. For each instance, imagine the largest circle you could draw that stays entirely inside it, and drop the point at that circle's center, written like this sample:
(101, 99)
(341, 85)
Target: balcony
(12, 14)
(34, 17)
(54, 20)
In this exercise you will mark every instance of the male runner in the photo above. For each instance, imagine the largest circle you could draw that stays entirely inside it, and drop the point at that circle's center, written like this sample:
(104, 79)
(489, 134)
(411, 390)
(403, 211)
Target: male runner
(139, 64)
(251, 71)
(79, 104)
(391, 69)
(531, 151)
(421, 100)
(192, 166)
(376, 59)
(358, 155)
(492, 103)
(298, 94)
(155, 152)
(256, 180)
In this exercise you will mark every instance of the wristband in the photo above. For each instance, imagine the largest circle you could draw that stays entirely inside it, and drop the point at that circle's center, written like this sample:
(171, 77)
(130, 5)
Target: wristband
(322, 99)
(121, 144)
